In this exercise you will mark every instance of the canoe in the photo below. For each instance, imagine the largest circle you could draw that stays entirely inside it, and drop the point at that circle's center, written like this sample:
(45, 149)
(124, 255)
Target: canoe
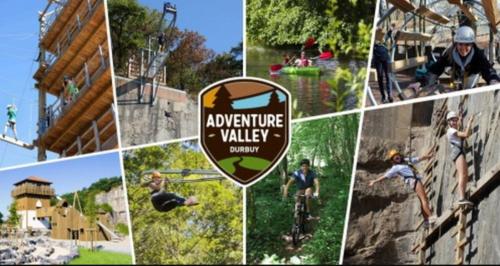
(310, 70)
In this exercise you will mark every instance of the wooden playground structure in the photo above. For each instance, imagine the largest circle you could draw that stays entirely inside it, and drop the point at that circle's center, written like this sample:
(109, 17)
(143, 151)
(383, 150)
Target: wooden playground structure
(423, 30)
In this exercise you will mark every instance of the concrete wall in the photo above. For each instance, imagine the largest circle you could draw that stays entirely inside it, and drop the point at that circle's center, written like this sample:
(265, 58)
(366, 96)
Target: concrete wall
(384, 219)
(141, 123)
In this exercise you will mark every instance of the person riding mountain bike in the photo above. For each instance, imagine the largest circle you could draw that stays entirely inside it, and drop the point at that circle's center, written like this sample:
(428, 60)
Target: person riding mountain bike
(404, 168)
(466, 60)
(165, 201)
(305, 179)
(11, 120)
(456, 139)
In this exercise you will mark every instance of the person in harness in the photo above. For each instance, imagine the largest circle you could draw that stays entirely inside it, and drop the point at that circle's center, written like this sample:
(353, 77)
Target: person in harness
(161, 41)
(306, 179)
(70, 90)
(165, 201)
(405, 169)
(466, 60)
(11, 120)
(456, 139)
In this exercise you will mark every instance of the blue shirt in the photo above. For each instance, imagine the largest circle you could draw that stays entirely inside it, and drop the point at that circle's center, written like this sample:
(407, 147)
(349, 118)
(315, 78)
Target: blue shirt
(304, 181)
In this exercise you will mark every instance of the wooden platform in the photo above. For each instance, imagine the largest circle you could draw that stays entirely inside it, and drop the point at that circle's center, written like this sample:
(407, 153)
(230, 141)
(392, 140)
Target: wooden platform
(78, 116)
(491, 12)
(18, 143)
(71, 59)
(428, 13)
(400, 65)
(413, 36)
(403, 5)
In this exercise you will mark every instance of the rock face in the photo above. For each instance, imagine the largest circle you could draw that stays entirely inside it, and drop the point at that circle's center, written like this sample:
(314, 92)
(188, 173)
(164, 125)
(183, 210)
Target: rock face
(116, 199)
(39, 250)
(384, 223)
(174, 115)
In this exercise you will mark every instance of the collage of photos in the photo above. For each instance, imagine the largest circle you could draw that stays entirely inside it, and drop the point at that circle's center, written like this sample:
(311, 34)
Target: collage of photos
(249, 132)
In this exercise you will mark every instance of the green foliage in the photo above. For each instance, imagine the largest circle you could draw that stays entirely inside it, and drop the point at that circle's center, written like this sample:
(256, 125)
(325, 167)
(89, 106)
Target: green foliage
(1, 218)
(191, 66)
(331, 152)
(102, 185)
(122, 229)
(105, 207)
(89, 257)
(344, 25)
(210, 233)
(14, 218)
(91, 209)
(346, 84)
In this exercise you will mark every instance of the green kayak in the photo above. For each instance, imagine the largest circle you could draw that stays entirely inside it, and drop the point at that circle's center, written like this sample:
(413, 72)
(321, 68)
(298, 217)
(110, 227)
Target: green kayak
(310, 70)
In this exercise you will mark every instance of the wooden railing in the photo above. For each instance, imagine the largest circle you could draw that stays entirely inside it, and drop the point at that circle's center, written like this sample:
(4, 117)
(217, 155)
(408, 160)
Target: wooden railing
(138, 64)
(92, 136)
(81, 17)
(32, 189)
(50, 14)
(84, 79)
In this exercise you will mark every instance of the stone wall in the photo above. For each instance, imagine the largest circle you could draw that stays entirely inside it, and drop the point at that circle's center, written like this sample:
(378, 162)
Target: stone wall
(174, 115)
(116, 199)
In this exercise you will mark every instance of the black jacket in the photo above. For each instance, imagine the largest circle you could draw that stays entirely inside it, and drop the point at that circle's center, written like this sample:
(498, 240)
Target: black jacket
(478, 65)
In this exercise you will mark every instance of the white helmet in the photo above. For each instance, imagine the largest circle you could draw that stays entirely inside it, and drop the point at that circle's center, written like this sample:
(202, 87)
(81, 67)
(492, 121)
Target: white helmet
(465, 34)
(451, 115)
(9, 106)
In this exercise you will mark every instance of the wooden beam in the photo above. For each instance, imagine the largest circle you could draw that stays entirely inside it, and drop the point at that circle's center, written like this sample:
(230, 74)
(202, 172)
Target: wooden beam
(466, 9)
(426, 12)
(490, 10)
(448, 218)
(400, 65)
(16, 142)
(403, 5)
(412, 36)
(96, 136)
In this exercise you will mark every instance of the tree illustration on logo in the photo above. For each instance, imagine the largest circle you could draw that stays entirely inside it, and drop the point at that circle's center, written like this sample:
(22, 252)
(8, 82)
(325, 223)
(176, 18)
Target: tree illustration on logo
(222, 100)
(274, 102)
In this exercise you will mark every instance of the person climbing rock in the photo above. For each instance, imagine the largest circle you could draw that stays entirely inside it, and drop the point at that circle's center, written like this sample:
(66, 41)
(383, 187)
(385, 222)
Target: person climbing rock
(11, 120)
(456, 139)
(404, 168)
(466, 60)
(306, 179)
(165, 201)
(70, 90)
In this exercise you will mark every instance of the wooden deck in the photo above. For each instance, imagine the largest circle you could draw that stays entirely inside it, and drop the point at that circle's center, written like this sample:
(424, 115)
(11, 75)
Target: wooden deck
(71, 59)
(78, 116)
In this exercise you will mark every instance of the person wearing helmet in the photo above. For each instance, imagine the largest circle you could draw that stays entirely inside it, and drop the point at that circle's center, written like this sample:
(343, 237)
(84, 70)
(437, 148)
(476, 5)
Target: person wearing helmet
(456, 139)
(11, 120)
(404, 168)
(165, 201)
(305, 179)
(466, 60)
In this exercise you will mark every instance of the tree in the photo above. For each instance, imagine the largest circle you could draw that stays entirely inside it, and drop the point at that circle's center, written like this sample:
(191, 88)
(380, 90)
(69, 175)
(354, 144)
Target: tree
(90, 212)
(1, 218)
(14, 217)
(274, 101)
(222, 100)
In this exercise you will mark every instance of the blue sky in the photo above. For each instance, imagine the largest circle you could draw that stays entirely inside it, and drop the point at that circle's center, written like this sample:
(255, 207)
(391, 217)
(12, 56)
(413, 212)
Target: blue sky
(67, 176)
(257, 101)
(18, 49)
(220, 21)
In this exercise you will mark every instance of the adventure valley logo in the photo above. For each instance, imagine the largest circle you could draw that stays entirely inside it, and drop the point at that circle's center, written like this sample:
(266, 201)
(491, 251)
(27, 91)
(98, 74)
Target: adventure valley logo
(245, 126)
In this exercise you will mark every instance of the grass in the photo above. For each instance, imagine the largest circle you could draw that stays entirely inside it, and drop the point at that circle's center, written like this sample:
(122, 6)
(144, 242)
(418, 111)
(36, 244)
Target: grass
(101, 257)
(249, 162)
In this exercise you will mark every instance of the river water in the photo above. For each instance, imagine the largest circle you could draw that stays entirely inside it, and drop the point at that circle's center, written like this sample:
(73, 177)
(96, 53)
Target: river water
(311, 95)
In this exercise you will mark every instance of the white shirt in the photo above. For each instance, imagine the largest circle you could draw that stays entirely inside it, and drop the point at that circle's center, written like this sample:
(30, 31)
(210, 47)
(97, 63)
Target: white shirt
(402, 169)
(453, 138)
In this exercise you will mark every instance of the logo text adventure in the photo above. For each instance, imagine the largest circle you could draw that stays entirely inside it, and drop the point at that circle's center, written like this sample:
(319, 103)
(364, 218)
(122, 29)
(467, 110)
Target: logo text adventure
(245, 126)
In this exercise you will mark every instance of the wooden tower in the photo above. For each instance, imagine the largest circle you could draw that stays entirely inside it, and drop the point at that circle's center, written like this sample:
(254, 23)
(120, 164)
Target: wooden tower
(73, 44)
(32, 194)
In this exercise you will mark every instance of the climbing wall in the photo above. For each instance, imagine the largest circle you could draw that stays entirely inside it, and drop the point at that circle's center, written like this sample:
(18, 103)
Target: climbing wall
(174, 114)
(385, 222)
